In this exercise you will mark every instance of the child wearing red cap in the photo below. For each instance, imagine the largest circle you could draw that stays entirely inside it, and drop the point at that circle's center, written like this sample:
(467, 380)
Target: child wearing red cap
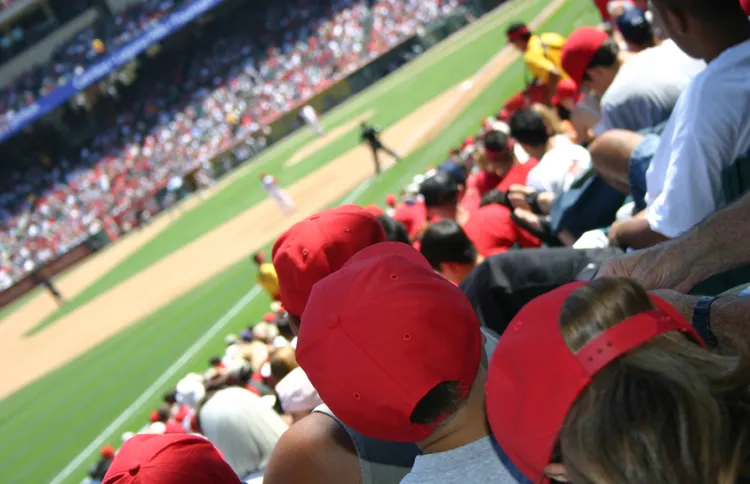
(394, 350)
(602, 383)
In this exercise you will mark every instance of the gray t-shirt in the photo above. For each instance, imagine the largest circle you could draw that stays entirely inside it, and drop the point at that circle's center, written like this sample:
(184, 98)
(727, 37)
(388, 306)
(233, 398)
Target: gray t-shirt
(646, 88)
(476, 463)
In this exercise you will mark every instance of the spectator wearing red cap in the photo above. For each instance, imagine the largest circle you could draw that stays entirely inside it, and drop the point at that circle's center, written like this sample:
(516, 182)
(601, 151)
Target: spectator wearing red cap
(708, 130)
(541, 54)
(266, 276)
(638, 91)
(169, 459)
(490, 228)
(394, 350)
(637, 397)
(243, 427)
(98, 470)
(322, 448)
(390, 204)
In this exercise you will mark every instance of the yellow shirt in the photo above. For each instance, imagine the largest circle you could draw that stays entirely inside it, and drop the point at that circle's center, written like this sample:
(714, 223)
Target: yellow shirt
(544, 55)
(268, 279)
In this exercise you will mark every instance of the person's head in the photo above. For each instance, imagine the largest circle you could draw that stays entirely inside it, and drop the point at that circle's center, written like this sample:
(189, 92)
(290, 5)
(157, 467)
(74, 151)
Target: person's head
(259, 258)
(497, 149)
(265, 332)
(214, 362)
(637, 397)
(697, 24)
(391, 200)
(440, 193)
(458, 170)
(107, 452)
(170, 397)
(394, 230)
(317, 246)
(282, 361)
(392, 347)
(528, 128)
(518, 34)
(591, 58)
(241, 426)
(297, 395)
(169, 459)
(449, 250)
(636, 30)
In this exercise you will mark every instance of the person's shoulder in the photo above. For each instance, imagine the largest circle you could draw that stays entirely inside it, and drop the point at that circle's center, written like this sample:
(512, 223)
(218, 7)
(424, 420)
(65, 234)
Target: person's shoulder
(315, 450)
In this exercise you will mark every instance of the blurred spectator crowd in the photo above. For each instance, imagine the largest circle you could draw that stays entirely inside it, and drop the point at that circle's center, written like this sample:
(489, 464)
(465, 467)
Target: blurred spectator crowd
(244, 73)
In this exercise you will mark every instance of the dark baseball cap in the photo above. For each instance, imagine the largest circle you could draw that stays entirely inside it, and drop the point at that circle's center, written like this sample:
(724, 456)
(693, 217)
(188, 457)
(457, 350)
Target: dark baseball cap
(439, 189)
(456, 170)
(635, 27)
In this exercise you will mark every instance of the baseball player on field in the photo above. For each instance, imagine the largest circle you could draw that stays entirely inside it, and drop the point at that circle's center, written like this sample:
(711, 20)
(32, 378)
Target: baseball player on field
(311, 118)
(271, 186)
(370, 134)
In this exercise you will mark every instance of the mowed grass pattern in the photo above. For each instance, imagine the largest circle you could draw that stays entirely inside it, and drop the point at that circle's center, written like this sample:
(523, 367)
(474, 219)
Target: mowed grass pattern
(47, 424)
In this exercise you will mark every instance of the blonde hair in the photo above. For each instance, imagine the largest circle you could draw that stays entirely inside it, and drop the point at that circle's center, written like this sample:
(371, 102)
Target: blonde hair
(667, 412)
(282, 362)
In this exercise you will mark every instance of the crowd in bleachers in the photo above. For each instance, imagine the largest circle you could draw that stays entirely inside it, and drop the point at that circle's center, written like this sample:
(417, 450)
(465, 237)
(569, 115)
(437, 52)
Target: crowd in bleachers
(241, 77)
(461, 333)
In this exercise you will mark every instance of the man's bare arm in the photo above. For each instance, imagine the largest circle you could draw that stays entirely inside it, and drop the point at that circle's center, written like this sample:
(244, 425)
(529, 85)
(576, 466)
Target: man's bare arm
(715, 245)
(728, 317)
(315, 450)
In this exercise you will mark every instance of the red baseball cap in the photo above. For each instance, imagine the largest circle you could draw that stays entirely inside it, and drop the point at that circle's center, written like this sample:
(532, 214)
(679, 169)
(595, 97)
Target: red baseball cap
(383, 331)
(169, 459)
(579, 50)
(317, 246)
(566, 89)
(269, 317)
(745, 4)
(534, 378)
(107, 451)
(390, 200)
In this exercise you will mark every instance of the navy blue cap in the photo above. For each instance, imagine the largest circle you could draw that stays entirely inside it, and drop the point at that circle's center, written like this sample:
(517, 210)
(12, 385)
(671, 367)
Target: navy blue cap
(635, 27)
(456, 171)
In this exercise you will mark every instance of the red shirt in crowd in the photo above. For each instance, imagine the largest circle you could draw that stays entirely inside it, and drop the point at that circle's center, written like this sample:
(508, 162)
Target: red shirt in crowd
(493, 231)
(413, 215)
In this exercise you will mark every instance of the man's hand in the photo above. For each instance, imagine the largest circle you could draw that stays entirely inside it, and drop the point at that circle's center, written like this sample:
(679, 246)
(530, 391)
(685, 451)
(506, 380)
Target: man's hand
(658, 267)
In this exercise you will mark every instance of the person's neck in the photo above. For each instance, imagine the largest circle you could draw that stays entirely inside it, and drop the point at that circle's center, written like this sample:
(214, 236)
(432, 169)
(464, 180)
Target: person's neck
(467, 425)
(539, 151)
(732, 33)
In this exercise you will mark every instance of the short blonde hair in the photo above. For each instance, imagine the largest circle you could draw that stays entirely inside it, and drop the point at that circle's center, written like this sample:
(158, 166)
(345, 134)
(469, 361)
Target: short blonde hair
(667, 412)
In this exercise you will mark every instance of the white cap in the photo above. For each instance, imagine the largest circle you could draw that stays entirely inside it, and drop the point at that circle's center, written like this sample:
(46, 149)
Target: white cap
(280, 342)
(296, 393)
(265, 331)
(230, 339)
(276, 306)
(501, 126)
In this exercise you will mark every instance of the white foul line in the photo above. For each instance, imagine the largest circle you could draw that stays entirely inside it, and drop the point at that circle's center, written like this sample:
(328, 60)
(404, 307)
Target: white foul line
(156, 386)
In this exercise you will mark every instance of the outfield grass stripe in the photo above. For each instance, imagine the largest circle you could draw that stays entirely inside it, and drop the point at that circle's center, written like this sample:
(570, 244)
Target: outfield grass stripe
(157, 385)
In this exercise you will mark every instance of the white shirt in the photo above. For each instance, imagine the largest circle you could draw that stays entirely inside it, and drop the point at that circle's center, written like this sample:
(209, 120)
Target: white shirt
(559, 167)
(646, 88)
(707, 132)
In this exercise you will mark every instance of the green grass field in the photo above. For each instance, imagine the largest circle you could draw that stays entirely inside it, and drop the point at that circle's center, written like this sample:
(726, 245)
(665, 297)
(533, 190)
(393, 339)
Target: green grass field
(70, 413)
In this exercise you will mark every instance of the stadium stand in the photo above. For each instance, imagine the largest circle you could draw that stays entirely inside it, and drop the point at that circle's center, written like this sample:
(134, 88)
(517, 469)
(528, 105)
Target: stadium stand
(239, 76)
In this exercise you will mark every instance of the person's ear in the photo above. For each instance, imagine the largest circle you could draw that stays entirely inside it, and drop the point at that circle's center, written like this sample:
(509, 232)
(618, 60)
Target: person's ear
(556, 472)
(677, 20)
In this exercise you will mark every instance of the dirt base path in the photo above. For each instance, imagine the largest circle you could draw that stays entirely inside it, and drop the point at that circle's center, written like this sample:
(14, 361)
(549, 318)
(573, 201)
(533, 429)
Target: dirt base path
(322, 141)
(156, 286)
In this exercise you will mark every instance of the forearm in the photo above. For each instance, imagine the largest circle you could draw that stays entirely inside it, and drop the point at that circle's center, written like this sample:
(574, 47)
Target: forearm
(728, 317)
(636, 234)
(717, 244)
